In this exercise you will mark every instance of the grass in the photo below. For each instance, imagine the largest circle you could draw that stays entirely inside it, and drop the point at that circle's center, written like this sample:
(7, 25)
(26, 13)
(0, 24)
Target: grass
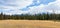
(29, 24)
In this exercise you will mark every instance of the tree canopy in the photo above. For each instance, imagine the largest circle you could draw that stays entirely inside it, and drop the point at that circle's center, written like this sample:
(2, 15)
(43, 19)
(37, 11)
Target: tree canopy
(31, 17)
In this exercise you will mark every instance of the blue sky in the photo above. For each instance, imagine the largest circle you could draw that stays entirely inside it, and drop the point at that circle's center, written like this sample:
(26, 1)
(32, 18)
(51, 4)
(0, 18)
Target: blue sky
(11, 7)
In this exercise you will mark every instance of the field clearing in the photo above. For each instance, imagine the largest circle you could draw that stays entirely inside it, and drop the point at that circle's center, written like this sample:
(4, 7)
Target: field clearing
(28, 24)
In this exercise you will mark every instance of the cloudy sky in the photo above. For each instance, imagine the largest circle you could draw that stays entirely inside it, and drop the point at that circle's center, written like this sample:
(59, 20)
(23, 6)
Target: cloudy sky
(11, 7)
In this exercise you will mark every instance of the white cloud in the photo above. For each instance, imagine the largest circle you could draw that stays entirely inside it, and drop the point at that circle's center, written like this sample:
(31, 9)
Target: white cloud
(36, 9)
(53, 7)
(33, 10)
(15, 5)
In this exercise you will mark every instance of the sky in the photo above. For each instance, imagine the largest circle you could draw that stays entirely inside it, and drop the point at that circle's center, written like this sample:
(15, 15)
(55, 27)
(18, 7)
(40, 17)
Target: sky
(11, 7)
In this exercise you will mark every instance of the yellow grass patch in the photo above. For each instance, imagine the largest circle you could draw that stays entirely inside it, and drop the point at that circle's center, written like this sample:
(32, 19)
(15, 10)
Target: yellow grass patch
(28, 24)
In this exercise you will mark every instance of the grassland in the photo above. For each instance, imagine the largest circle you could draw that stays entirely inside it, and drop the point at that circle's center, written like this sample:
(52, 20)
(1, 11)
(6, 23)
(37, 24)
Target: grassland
(28, 24)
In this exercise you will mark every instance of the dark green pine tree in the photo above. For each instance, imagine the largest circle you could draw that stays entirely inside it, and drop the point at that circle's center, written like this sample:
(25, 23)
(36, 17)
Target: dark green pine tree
(1, 16)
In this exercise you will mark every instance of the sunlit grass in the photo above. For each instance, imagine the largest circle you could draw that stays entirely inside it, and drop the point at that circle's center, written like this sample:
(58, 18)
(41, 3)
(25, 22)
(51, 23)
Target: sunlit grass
(29, 24)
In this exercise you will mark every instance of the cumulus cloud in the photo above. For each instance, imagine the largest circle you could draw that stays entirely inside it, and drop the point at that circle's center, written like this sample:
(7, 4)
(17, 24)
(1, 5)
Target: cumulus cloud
(54, 6)
(36, 9)
(10, 7)
(13, 6)
(15, 3)
(42, 8)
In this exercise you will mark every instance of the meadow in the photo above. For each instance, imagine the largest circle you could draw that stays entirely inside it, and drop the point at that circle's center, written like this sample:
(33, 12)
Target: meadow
(29, 24)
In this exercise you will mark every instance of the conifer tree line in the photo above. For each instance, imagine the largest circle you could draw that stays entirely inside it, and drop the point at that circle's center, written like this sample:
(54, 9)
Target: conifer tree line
(31, 17)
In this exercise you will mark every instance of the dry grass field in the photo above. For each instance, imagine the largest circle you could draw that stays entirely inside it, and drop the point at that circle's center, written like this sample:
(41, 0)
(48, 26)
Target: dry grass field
(28, 24)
